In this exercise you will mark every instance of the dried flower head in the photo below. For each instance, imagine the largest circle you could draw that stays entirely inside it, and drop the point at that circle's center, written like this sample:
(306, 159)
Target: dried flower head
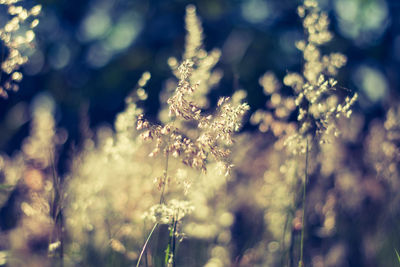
(313, 91)
(188, 133)
(174, 211)
(317, 104)
(215, 131)
(202, 61)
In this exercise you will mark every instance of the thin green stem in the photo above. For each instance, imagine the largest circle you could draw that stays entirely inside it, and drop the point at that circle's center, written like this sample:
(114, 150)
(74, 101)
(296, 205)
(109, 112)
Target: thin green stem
(145, 244)
(301, 263)
(174, 244)
(169, 251)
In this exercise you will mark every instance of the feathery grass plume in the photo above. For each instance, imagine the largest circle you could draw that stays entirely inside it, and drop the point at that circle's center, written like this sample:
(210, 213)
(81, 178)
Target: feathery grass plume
(194, 36)
(185, 105)
(318, 108)
(214, 132)
(198, 140)
(18, 37)
(203, 61)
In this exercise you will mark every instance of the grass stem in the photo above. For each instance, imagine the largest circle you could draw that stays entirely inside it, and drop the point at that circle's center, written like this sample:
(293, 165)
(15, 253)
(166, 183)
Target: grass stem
(301, 262)
(145, 244)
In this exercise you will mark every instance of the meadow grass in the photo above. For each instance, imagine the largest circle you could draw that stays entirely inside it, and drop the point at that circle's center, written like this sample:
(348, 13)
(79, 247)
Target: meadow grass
(189, 189)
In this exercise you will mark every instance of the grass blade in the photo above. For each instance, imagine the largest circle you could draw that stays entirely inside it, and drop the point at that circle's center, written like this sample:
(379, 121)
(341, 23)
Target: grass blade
(145, 244)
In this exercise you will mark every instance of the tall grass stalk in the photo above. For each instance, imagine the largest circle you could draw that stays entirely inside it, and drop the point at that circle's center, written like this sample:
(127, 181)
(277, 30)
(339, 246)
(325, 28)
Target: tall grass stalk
(170, 251)
(301, 263)
(56, 212)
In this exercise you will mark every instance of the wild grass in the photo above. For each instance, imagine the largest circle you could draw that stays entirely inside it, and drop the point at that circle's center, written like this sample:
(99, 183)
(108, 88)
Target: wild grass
(189, 189)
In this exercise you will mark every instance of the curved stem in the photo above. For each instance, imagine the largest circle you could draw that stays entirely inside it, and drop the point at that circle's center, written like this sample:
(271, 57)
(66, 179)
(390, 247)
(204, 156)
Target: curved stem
(145, 244)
